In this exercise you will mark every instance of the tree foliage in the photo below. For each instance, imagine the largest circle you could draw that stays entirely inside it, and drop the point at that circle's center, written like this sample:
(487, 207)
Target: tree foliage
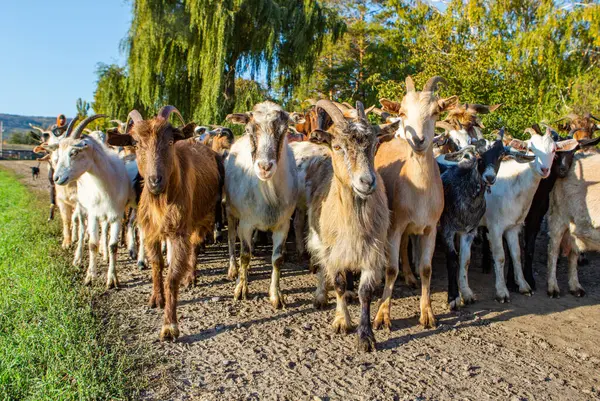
(539, 58)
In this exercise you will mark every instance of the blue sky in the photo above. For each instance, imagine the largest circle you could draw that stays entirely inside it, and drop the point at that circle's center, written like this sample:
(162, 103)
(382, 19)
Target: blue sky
(49, 51)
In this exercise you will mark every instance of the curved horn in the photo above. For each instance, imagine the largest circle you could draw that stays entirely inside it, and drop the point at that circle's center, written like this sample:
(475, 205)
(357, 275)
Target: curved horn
(410, 84)
(347, 105)
(36, 127)
(360, 110)
(70, 126)
(432, 84)
(595, 118)
(333, 111)
(79, 130)
(166, 111)
(133, 117)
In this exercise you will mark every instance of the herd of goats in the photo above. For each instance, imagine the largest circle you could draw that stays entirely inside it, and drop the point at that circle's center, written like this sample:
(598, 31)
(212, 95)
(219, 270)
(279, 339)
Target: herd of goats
(369, 195)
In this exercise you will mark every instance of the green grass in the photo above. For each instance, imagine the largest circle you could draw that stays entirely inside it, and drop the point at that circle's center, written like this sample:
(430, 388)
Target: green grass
(52, 347)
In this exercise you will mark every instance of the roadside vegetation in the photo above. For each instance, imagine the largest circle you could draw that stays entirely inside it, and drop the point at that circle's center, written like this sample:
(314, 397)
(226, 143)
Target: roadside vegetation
(52, 346)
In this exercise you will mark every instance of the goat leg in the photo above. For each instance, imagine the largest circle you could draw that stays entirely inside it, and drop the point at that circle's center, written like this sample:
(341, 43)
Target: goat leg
(320, 301)
(111, 276)
(574, 287)
(427, 245)
(512, 239)
(241, 288)
(279, 237)
(409, 277)
(391, 273)
(466, 240)
(342, 324)
(178, 269)
(155, 257)
(452, 268)
(232, 225)
(93, 229)
(366, 337)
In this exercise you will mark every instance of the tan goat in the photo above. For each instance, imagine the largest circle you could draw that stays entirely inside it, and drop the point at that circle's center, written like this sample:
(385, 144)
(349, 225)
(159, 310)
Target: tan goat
(348, 215)
(415, 192)
(574, 213)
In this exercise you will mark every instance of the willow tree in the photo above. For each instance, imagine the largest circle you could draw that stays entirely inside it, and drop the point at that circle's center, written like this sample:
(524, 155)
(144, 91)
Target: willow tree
(189, 52)
(111, 97)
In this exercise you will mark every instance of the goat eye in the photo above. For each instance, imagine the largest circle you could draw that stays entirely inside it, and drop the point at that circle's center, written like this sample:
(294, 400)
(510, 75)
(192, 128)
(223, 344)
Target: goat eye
(171, 142)
(337, 148)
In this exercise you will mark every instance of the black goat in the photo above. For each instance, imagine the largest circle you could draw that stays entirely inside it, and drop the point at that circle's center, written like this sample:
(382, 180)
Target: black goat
(465, 184)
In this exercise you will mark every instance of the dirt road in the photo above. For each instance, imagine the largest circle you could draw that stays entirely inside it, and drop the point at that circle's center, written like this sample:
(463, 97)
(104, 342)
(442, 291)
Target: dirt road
(532, 348)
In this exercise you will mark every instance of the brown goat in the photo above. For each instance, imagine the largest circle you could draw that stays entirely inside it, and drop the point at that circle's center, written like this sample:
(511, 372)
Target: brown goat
(183, 182)
(414, 189)
(579, 126)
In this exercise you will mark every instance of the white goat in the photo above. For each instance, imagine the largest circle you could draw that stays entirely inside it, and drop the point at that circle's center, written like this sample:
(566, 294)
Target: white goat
(261, 188)
(103, 188)
(508, 203)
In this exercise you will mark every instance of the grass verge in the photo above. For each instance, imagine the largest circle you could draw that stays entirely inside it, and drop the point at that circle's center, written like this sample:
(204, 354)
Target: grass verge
(51, 344)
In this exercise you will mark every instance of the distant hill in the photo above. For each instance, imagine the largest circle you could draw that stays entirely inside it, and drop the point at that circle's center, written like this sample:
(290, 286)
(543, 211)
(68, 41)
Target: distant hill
(14, 123)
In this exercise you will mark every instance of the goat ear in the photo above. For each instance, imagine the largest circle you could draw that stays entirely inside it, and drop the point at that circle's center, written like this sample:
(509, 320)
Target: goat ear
(384, 130)
(188, 130)
(519, 145)
(567, 146)
(588, 142)
(49, 148)
(320, 137)
(448, 103)
(115, 139)
(390, 106)
(39, 149)
(239, 118)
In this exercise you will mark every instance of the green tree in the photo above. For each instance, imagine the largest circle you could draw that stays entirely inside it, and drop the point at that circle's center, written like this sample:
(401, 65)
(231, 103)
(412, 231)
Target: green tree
(189, 53)
(83, 107)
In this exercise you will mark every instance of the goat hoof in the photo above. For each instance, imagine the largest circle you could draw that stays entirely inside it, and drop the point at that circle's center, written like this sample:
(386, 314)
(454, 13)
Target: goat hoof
(454, 304)
(554, 293)
(141, 265)
(232, 273)
(169, 332)
(66, 244)
(503, 299)
(380, 323)
(578, 292)
(468, 300)
(340, 326)
(112, 282)
(277, 300)
(89, 278)
(156, 300)
(132, 254)
(526, 291)
(241, 292)
(427, 319)
(366, 340)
